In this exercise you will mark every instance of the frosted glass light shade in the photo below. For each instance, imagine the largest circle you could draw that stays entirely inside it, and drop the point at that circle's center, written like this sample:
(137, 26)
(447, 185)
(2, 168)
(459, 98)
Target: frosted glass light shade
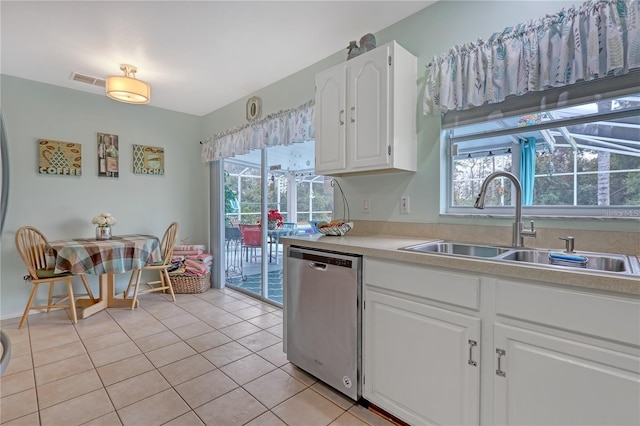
(129, 90)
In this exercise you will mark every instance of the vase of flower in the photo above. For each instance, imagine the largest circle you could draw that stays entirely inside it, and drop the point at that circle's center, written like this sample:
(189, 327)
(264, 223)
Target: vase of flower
(104, 222)
(103, 232)
(274, 219)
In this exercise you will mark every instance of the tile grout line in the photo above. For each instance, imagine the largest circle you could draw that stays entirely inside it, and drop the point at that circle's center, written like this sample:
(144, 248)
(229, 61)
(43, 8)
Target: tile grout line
(218, 303)
(238, 385)
(191, 409)
(35, 382)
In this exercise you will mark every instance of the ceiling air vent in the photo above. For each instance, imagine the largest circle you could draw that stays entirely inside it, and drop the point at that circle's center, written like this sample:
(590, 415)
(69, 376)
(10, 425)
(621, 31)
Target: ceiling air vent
(95, 81)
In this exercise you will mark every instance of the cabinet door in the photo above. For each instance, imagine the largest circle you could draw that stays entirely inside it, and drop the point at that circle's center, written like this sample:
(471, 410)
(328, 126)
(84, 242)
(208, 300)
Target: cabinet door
(418, 361)
(555, 381)
(368, 110)
(330, 118)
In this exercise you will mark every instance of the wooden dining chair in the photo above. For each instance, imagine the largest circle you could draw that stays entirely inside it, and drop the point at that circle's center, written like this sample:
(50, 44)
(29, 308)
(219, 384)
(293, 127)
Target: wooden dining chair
(31, 243)
(162, 267)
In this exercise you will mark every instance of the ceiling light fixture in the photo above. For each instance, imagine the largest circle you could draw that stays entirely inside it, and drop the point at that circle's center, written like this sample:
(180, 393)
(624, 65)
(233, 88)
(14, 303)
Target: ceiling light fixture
(126, 88)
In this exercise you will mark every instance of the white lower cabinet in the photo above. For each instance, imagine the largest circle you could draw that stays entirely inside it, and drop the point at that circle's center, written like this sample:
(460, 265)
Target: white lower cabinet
(551, 355)
(547, 380)
(421, 362)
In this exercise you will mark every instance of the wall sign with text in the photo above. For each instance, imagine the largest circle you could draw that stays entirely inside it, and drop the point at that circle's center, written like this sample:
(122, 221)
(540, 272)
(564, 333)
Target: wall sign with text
(59, 158)
(148, 160)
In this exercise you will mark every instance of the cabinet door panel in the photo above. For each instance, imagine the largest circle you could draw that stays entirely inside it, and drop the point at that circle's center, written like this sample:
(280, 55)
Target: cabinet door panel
(368, 115)
(331, 119)
(416, 361)
(551, 380)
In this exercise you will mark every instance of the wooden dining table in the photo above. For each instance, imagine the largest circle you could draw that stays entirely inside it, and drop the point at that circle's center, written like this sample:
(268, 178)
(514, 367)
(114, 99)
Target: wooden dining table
(104, 258)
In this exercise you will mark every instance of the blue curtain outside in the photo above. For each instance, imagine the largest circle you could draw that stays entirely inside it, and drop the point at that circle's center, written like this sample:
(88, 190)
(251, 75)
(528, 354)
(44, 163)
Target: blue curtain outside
(527, 169)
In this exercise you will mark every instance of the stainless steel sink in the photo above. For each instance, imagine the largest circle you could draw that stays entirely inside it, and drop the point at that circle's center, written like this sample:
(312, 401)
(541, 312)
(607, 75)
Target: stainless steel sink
(594, 261)
(461, 249)
(604, 262)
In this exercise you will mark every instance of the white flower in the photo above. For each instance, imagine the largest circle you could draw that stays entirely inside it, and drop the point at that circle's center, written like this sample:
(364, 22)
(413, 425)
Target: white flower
(104, 219)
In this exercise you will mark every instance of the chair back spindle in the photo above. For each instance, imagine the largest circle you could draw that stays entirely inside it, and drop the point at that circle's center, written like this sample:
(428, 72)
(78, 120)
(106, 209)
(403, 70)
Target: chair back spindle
(164, 282)
(168, 242)
(31, 243)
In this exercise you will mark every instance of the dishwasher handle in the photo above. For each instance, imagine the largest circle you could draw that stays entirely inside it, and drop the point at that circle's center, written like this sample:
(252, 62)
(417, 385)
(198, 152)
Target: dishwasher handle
(316, 258)
(318, 266)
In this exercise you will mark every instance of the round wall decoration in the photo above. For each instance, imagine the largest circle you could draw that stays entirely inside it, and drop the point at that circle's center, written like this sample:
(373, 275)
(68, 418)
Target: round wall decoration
(254, 108)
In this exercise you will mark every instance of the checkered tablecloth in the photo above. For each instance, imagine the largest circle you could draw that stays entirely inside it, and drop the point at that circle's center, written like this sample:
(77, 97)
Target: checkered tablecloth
(90, 256)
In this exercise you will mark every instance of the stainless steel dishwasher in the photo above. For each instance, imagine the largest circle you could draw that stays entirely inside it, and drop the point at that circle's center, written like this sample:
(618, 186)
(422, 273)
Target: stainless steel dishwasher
(322, 304)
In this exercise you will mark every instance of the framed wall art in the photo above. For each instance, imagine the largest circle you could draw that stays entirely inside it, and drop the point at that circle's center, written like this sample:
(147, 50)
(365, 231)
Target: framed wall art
(59, 158)
(148, 160)
(108, 164)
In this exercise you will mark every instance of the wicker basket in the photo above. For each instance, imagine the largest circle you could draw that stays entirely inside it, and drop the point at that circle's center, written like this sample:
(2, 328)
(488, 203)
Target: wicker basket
(188, 284)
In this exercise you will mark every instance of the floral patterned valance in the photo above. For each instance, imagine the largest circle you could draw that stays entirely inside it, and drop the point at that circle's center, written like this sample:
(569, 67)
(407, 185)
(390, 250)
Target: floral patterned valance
(599, 39)
(282, 128)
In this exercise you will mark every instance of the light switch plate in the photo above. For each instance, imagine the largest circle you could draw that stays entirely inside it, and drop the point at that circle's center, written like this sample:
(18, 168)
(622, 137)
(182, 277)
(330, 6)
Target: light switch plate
(405, 207)
(366, 204)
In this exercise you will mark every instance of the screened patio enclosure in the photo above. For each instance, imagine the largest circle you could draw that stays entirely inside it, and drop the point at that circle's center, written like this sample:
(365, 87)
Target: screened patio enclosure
(278, 178)
(585, 156)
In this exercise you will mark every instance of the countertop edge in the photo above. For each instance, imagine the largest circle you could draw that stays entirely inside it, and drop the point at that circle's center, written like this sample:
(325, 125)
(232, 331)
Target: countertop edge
(387, 247)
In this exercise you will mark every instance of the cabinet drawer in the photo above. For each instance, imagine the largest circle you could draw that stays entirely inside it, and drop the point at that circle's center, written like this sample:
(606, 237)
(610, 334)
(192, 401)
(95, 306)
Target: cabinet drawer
(609, 317)
(416, 280)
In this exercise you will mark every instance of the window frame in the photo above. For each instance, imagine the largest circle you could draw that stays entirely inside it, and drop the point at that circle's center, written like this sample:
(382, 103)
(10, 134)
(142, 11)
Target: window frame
(579, 93)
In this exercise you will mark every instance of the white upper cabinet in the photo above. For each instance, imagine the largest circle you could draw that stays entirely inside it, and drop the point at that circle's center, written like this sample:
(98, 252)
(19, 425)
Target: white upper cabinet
(366, 113)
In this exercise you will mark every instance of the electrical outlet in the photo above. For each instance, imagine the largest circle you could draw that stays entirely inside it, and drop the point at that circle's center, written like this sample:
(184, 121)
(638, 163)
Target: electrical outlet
(366, 204)
(404, 205)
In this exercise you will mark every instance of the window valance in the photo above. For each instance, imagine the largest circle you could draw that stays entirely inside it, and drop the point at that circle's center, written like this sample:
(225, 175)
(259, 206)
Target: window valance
(282, 128)
(598, 39)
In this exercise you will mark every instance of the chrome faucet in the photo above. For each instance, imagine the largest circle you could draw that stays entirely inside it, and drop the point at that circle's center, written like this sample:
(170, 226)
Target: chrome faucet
(518, 235)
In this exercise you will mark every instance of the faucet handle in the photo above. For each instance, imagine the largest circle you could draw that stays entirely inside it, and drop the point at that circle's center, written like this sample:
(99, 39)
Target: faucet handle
(569, 243)
(531, 233)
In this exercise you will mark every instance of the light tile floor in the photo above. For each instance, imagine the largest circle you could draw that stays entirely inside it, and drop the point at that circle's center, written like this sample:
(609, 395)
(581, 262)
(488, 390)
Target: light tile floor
(213, 358)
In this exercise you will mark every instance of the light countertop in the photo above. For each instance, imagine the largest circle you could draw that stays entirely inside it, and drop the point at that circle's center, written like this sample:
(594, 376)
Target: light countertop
(387, 247)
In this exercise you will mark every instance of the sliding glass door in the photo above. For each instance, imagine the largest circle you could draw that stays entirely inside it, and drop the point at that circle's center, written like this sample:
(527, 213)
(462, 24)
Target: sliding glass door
(273, 183)
(255, 189)
(243, 236)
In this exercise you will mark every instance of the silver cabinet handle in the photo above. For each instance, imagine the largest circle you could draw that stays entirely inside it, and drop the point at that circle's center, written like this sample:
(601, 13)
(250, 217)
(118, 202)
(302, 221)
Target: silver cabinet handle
(353, 113)
(500, 353)
(341, 117)
(472, 344)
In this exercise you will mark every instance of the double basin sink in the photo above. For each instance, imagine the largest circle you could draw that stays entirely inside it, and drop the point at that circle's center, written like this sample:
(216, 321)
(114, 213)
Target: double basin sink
(604, 262)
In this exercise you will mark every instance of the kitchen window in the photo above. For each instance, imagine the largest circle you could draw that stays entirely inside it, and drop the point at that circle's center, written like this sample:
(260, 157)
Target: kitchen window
(576, 152)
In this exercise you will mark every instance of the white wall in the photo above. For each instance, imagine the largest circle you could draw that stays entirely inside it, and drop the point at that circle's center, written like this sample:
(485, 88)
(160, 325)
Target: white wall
(62, 206)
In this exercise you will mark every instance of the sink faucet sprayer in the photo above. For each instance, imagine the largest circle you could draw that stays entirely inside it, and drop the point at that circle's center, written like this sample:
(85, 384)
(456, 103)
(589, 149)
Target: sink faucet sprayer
(517, 239)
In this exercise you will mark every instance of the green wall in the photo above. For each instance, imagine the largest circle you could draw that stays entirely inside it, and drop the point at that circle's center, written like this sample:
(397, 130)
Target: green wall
(63, 206)
(430, 32)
